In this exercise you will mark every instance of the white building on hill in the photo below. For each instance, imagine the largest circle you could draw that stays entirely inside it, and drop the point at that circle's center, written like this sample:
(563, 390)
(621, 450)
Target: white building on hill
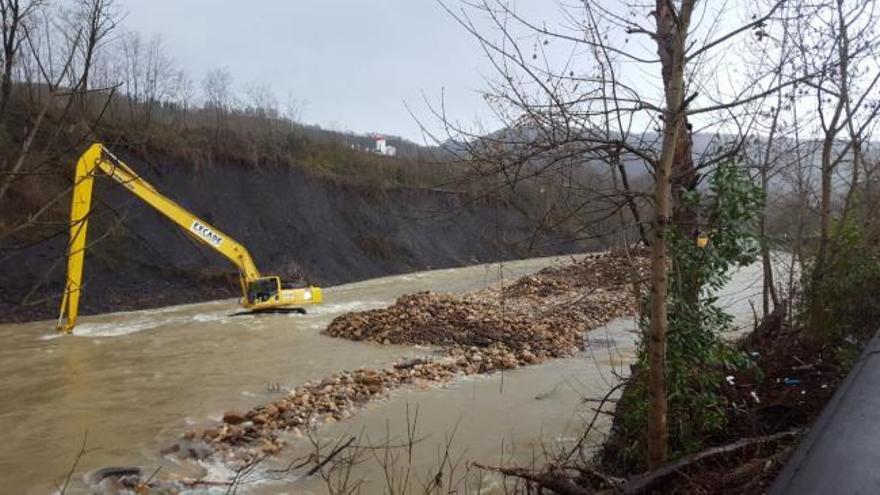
(383, 148)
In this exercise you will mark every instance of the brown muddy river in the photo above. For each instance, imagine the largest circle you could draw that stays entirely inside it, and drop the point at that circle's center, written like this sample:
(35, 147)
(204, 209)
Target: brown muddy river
(128, 384)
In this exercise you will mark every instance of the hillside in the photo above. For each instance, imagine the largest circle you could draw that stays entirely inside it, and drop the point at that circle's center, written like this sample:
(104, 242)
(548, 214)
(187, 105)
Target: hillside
(294, 224)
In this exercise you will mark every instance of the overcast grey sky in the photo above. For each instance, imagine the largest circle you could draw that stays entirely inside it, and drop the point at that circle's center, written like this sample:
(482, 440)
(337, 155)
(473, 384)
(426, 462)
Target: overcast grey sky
(354, 62)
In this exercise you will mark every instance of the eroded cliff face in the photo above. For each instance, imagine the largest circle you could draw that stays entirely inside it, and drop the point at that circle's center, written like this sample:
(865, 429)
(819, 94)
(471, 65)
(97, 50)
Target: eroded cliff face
(294, 226)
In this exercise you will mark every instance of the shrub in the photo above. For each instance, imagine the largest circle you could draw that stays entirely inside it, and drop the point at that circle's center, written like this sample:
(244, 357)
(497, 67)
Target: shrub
(842, 305)
(698, 357)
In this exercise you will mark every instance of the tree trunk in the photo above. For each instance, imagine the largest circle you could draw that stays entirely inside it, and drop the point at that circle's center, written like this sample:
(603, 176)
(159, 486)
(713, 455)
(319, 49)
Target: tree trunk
(657, 448)
(769, 293)
(684, 178)
(631, 203)
(6, 181)
(11, 18)
(671, 35)
(818, 274)
(868, 209)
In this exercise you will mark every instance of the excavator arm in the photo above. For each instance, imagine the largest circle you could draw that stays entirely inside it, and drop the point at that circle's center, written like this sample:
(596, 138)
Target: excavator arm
(258, 292)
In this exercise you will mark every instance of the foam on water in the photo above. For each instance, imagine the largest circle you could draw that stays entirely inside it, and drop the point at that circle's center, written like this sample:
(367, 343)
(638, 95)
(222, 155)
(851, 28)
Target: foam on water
(140, 323)
(206, 318)
(219, 473)
(347, 307)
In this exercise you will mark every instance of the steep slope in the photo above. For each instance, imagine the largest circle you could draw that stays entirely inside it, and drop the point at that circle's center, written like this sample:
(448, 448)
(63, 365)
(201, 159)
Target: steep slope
(294, 225)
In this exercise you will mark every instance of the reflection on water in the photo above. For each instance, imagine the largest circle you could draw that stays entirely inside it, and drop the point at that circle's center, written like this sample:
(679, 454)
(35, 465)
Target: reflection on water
(134, 381)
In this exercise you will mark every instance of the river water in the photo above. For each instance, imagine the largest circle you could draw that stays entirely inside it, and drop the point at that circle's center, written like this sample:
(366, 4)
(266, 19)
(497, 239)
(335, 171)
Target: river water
(127, 384)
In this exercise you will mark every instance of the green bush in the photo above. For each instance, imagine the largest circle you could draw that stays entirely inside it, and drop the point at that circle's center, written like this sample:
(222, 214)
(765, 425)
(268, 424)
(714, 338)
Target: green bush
(843, 305)
(698, 357)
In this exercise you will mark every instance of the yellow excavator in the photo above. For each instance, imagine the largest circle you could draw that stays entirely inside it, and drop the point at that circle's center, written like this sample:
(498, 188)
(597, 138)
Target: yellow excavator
(259, 292)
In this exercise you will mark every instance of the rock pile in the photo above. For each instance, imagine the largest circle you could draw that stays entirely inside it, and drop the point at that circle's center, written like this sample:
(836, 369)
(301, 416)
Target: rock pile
(243, 437)
(536, 318)
(545, 313)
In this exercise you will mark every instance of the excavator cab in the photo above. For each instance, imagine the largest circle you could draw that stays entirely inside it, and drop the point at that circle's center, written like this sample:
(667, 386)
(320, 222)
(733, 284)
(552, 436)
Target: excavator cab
(269, 294)
(264, 290)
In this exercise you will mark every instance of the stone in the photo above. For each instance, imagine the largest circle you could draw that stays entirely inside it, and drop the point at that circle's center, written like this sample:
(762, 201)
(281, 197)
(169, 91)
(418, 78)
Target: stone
(233, 417)
(369, 379)
(101, 474)
(527, 357)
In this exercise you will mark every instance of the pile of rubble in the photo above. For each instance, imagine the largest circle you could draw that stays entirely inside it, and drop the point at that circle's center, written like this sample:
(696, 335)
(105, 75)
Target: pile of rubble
(545, 313)
(244, 437)
(605, 270)
(535, 318)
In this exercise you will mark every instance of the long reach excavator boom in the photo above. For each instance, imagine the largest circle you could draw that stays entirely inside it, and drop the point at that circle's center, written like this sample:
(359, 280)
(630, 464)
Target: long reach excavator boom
(259, 292)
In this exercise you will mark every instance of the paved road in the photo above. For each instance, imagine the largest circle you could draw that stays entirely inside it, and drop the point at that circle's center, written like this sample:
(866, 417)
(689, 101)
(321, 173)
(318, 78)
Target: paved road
(841, 453)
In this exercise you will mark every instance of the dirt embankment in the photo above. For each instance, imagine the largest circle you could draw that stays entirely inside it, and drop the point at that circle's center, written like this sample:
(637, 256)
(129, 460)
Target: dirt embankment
(296, 226)
(535, 318)
(797, 378)
(768, 406)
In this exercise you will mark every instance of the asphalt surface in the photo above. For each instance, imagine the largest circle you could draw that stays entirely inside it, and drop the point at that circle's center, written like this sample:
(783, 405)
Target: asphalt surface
(841, 453)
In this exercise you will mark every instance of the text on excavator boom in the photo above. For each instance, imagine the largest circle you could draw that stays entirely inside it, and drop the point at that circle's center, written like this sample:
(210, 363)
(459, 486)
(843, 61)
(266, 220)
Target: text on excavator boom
(258, 292)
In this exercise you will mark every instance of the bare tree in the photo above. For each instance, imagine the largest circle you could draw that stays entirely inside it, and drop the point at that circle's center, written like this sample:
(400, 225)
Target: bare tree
(844, 103)
(99, 18)
(583, 106)
(14, 16)
(158, 77)
(46, 57)
(183, 93)
(132, 71)
(217, 90)
(293, 108)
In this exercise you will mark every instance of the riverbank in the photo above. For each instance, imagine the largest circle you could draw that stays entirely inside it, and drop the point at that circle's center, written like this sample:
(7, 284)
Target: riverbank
(769, 406)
